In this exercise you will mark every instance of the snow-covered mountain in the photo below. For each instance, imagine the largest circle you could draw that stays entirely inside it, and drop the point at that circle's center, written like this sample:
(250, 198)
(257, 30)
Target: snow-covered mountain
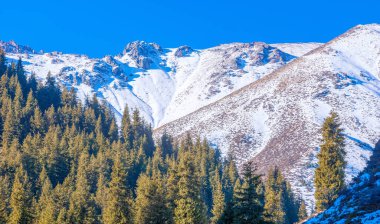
(164, 84)
(259, 101)
(276, 120)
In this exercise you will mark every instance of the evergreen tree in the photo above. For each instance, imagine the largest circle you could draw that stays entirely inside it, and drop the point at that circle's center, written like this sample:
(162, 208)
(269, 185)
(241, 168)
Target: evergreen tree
(126, 128)
(37, 122)
(248, 207)
(46, 209)
(82, 204)
(3, 66)
(218, 199)
(150, 205)
(21, 76)
(4, 198)
(21, 199)
(32, 83)
(49, 94)
(274, 197)
(189, 206)
(329, 176)
(291, 204)
(118, 207)
(137, 125)
(172, 184)
(166, 145)
(230, 175)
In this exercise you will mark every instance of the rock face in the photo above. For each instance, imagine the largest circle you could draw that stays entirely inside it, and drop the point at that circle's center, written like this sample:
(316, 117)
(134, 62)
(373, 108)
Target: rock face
(13, 47)
(276, 120)
(143, 54)
(183, 51)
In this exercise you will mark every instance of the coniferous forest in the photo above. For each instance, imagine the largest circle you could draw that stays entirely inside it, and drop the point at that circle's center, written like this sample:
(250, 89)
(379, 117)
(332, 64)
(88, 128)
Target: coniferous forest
(64, 161)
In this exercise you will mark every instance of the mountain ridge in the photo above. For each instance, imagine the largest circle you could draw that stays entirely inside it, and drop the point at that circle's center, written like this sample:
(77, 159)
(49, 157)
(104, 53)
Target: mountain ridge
(128, 78)
(331, 81)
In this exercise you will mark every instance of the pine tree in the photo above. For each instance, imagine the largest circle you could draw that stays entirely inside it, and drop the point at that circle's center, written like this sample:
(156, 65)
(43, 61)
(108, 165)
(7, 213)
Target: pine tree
(189, 206)
(126, 128)
(137, 127)
(3, 66)
(230, 175)
(218, 199)
(49, 94)
(82, 204)
(37, 122)
(113, 131)
(329, 176)
(274, 197)
(10, 131)
(118, 208)
(47, 215)
(248, 207)
(30, 105)
(291, 204)
(172, 184)
(4, 198)
(46, 209)
(166, 145)
(21, 199)
(32, 83)
(21, 76)
(150, 205)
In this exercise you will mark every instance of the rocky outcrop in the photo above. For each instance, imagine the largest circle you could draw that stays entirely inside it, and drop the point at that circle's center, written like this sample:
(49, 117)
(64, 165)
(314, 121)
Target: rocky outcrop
(14, 48)
(183, 51)
(144, 54)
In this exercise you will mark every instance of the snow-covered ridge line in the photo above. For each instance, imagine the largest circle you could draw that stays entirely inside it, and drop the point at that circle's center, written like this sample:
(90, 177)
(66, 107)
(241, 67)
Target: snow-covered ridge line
(158, 81)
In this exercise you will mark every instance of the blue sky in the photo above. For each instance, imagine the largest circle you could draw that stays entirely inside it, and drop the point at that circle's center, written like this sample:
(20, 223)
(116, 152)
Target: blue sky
(98, 28)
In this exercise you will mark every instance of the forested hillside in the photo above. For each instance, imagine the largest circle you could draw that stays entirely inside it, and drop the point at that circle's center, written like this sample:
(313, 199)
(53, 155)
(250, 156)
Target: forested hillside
(64, 162)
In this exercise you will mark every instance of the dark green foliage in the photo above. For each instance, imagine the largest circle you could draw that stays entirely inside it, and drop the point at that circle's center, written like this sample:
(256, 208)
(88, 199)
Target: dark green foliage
(49, 94)
(329, 176)
(189, 206)
(151, 202)
(21, 199)
(218, 198)
(248, 199)
(280, 204)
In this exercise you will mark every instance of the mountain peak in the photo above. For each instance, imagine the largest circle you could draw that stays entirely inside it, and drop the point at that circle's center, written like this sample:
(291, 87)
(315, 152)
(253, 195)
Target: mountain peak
(183, 51)
(14, 48)
(142, 48)
(143, 53)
